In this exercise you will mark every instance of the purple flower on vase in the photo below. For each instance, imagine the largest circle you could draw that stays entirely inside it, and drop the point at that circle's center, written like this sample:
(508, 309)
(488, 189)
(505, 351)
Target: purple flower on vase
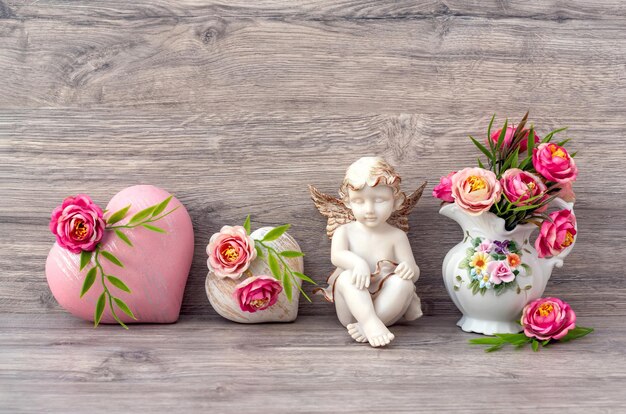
(501, 247)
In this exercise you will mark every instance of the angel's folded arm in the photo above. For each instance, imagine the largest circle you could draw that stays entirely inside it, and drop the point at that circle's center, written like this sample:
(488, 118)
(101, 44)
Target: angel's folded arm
(340, 254)
(404, 253)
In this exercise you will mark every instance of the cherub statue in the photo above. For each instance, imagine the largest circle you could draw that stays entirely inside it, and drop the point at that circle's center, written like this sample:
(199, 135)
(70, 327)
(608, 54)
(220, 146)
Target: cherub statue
(374, 284)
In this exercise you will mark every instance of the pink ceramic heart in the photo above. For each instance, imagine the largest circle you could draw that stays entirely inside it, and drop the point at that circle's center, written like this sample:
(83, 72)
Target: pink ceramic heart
(155, 268)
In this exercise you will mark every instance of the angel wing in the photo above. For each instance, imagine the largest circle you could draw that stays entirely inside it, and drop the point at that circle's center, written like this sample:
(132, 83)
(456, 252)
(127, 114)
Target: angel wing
(400, 217)
(332, 208)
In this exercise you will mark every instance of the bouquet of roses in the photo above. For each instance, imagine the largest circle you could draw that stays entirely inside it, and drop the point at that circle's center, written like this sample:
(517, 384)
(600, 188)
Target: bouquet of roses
(521, 175)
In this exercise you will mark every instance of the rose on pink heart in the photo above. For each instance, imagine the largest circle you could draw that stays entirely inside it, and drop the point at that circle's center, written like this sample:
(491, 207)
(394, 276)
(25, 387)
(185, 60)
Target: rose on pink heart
(155, 269)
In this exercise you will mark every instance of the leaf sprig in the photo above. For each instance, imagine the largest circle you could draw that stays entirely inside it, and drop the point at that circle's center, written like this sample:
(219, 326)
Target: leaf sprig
(520, 340)
(142, 218)
(276, 260)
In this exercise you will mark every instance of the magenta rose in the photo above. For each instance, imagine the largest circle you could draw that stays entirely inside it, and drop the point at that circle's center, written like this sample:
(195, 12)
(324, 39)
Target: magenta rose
(508, 137)
(475, 190)
(548, 318)
(257, 293)
(230, 252)
(499, 271)
(554, 163)
(443, 190)
(77, 224)
(523, 188)
(556, 234)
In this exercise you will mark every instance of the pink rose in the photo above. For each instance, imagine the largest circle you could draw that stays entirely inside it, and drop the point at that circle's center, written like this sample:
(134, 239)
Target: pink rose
(475, 190)
(508, 137)
(520, 186)
(77, 224)
(257, 293)
(548, 318)
(554, 163)
(556, 234)
(499, 271)
(485, 246)
(230, 252)
(443, 190)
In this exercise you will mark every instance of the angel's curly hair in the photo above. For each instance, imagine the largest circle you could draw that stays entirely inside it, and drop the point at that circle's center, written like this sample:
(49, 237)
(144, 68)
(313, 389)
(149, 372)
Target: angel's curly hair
(370, 171)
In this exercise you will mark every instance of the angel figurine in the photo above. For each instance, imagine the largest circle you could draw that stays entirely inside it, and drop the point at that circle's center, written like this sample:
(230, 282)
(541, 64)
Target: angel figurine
(374, 284)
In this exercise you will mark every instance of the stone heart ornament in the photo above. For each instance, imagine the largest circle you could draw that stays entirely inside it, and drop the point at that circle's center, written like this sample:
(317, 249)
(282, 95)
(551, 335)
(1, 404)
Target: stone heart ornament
(255, 277)
(128, 264)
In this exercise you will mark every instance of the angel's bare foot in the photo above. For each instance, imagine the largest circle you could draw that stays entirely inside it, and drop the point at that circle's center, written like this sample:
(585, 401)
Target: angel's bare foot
(414, 310)
(373, 331)
(354, 329)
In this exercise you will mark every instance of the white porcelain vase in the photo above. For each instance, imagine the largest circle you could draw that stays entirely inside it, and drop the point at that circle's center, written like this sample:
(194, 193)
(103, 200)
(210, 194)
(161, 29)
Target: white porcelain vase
(489, 308)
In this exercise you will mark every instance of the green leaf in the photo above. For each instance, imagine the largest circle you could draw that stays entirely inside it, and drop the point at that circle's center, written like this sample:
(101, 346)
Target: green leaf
(507, 163)
(502, 135)
(118, 283)
(89, 279)
(259, 250)
(141, 215)
(124, 238)
(85, 258)
(565, 141)
(124, 307)
(118, 215)
(161, 206)
(97, 316)
(514, 338)
(291, 253)
(489, 140)
(276, 232)
(246, 224)
(573, 154)
(522, 208)
(287, 286)
(486, 341)
(535, 345)
(482, 148)
(546, 342)
(274, 266)
(154, 228)
(515, 158)
(111, 258)
(525, 163)
(304, 294)
(480, 164)
(494, 348)
(548, 137)
(304, 277)
(577, 332)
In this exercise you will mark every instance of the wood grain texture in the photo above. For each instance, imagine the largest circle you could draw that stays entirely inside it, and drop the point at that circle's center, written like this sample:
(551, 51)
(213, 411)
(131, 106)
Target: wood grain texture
(223, 167)
(312, 365)
(235, 107)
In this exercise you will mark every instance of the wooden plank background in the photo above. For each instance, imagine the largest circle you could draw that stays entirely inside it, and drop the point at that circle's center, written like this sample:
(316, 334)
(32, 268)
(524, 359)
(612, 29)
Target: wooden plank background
(236, 106)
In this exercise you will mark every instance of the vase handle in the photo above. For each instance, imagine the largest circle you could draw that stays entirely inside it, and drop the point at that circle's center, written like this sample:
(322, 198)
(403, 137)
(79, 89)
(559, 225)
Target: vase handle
(564, 205)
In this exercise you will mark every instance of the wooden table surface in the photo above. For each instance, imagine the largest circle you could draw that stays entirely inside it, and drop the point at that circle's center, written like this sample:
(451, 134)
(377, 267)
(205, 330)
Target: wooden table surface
(235, 107)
